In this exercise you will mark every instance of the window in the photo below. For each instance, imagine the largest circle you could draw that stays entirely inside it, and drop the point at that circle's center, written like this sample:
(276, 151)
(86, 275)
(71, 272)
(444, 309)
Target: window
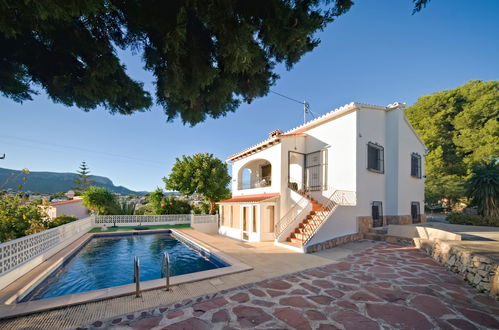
(375, 158)
(246, 179)
(416, 165)
(231, 217)
(377, 214)
(254, 218)
(316, 170)
(271, 211)
(415, 212)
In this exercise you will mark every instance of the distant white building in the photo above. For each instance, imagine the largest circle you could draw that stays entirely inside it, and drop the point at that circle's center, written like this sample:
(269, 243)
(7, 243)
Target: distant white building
(355, 167)
(72, 207)
(70, 194)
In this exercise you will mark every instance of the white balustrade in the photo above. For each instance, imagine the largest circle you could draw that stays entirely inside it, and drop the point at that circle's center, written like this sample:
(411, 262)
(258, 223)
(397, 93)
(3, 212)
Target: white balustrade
(125, 220)
(205, 218)
(20, 251)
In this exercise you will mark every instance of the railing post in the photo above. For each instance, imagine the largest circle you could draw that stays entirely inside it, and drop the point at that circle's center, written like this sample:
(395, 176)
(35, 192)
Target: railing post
(165, 269)
(136, 275)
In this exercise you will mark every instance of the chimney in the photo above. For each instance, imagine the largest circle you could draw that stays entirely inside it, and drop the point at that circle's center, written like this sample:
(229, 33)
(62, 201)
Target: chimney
(275, 133)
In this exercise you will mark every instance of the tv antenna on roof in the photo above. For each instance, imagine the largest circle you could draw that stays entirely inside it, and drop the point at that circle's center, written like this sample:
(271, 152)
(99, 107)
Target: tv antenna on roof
(306, 105)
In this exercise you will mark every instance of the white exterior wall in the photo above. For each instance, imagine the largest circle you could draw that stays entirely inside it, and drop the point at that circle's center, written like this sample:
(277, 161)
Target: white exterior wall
(75, 209)
(372, 186)
(410, 189)
(262, 232)
(273, 156)
(395, 188)
(339, 138)
(288, 198)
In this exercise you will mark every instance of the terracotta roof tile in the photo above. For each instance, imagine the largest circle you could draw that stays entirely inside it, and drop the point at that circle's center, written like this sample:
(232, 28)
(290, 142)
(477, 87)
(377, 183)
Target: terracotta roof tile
(250, 198)
(66, 202)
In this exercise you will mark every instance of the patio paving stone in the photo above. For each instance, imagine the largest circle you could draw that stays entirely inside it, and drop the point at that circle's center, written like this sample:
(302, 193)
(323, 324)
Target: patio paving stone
(386, 286)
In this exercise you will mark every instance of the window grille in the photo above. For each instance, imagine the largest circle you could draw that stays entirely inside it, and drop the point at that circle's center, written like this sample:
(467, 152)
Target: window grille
(416, 165)
(375, 158)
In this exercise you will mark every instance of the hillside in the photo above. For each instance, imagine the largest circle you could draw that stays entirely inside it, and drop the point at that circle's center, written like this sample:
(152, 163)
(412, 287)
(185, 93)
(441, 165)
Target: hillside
(53, 182)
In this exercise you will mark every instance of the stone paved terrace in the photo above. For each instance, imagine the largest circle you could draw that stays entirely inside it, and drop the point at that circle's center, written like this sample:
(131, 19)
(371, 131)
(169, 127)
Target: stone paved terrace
(385, 286)
(267, 260)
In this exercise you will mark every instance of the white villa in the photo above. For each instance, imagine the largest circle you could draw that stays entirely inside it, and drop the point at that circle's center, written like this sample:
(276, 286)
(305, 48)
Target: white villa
(329, 180)
(72, 207)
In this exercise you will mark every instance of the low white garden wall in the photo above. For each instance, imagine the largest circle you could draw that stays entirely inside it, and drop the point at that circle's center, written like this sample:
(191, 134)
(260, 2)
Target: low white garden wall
(19, 256)
(132, 220)
(205, 223)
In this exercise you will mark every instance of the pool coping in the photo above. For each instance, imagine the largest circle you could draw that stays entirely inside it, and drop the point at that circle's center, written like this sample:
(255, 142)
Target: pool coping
(22, 286)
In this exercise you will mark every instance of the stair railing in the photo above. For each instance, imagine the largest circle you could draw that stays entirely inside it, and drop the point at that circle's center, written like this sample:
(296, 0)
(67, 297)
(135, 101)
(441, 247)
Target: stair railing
(337, 198)
(285, 221)
(290, 216)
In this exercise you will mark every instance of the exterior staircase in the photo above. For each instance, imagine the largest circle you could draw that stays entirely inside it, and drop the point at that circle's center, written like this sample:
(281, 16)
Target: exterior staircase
(377, 234)
(307, 227)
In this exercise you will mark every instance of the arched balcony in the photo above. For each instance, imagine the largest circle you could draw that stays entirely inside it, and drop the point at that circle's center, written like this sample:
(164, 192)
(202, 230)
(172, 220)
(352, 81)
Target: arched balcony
(255, 174)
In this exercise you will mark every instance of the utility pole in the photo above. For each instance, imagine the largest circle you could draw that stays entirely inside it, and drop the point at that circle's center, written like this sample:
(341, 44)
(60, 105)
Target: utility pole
(306, 107)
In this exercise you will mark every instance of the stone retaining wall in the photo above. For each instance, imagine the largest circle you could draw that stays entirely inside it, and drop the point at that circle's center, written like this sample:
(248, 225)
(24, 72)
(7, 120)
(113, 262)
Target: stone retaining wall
(478, 270)
(365, 223)
(399, 240)
(333, 242)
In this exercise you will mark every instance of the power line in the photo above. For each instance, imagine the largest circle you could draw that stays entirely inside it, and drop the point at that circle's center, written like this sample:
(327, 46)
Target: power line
(287, 97)
(59, 146)
(306, 105)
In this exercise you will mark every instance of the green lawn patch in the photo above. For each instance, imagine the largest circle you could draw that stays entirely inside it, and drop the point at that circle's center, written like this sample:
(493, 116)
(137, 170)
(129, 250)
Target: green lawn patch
(128, 228)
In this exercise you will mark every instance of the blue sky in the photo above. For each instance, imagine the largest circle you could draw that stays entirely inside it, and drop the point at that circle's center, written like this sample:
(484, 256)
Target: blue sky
(377, 53)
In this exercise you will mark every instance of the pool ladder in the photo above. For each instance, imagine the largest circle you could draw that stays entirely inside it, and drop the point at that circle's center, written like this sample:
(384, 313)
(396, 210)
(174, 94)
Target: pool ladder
(165, 269)
(165, 272)
(136, 275)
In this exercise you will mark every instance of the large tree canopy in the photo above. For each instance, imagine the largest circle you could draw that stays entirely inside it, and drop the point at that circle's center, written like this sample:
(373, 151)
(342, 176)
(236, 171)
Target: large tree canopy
(206, 56)
(202, 174)
(460, 128)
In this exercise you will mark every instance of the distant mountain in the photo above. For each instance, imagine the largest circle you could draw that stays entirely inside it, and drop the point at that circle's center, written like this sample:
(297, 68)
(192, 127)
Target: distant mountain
(53, 182)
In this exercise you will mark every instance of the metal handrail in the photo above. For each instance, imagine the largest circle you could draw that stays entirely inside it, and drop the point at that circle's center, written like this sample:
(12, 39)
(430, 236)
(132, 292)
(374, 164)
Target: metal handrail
(337, 198)
(136, 275)
(289, 217)
(294, 184)
(165, 269)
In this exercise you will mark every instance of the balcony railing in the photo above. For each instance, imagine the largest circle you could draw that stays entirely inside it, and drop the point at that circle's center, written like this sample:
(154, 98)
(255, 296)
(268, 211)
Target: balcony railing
(265, 181)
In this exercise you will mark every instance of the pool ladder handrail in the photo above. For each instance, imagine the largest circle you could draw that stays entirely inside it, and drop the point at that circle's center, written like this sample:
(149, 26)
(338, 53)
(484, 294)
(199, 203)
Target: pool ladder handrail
(136, 275)
(165, 269)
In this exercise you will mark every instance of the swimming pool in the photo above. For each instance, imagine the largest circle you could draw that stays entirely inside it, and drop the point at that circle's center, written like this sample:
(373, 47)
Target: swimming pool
(105, 262)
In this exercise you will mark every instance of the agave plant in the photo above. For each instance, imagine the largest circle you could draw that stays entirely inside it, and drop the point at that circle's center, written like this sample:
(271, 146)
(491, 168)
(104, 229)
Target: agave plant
(483, 188)
(125, 208)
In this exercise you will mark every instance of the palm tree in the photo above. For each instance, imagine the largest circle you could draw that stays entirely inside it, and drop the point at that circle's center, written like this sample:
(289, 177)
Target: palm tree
(483, 188)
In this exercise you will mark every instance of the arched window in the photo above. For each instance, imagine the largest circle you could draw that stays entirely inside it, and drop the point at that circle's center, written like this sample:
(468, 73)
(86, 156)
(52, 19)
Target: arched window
(255, 174)
(246, 179)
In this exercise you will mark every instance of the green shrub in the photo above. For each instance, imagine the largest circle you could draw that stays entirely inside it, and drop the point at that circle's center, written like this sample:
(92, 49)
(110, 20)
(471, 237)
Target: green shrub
(172, 205)
(203, 208)
(473, 220)
(20, 217)
(141, 210)
(61, 220)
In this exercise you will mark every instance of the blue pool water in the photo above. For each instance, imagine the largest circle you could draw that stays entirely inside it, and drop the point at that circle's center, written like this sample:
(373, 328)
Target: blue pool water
(108, 261)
